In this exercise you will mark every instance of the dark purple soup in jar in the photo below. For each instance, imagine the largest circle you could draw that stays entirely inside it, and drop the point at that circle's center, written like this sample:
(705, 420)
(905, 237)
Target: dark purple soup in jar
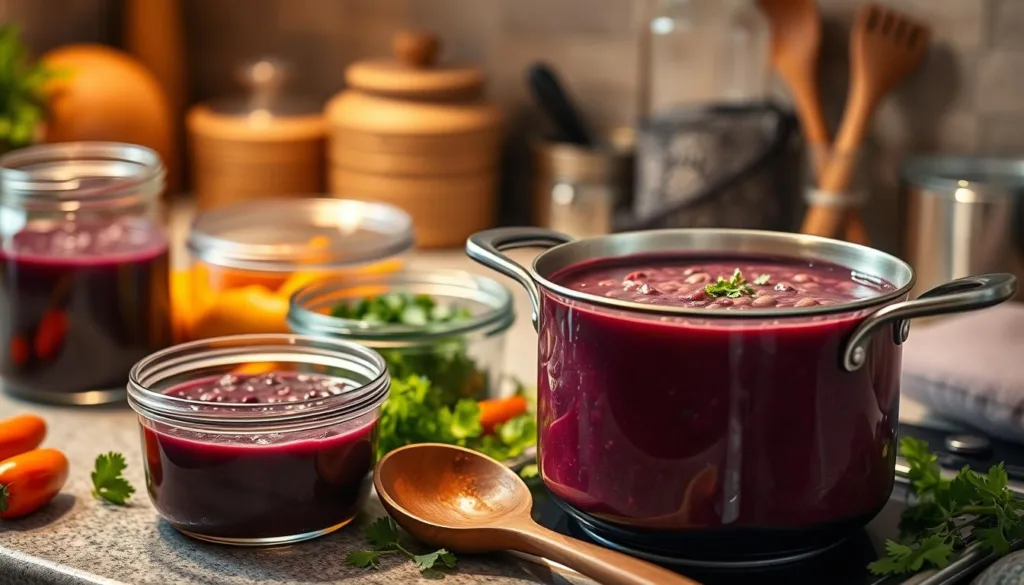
(83, 303)
(260, 488)
(733, 415)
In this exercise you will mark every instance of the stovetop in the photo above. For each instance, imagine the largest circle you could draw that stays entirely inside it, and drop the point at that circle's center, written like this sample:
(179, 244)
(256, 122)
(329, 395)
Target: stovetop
(846, 563)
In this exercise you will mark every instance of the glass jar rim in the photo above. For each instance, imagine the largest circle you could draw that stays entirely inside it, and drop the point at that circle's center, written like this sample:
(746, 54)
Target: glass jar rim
(188, 357)
(365, 231)
(452, 284)
(76, 175)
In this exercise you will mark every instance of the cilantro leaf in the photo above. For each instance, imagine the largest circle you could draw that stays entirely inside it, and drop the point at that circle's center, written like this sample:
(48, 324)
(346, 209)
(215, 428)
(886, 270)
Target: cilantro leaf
(949, 513)
(763, 279)
(384, 535)
(364, 559)
(107, 482)
(734, 287)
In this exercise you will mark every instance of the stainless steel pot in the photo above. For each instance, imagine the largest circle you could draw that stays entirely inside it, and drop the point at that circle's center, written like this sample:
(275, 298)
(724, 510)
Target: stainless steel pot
(762, 430)
(964, 216)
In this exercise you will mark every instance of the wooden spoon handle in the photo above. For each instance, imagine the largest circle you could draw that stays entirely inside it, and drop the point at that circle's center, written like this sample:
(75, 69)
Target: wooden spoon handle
(600, 564)
(856, 231)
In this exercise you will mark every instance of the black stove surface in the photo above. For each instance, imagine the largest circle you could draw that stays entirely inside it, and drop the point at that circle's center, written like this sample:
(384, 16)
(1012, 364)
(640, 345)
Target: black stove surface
(843, 564)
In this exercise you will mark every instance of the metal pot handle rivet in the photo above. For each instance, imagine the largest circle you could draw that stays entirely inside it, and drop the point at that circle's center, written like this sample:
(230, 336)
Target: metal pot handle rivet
(964, 294)
(486, 247)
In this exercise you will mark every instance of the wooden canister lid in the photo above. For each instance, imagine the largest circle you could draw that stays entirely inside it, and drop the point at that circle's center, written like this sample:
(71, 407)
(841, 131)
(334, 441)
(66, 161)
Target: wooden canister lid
(414, 73)
(413, 95)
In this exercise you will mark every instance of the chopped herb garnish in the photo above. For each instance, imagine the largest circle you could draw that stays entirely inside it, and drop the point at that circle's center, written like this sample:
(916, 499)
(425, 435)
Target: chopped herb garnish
(445, 362)
(949, 514)
(385, 538)
(733, 288)
(763, 279)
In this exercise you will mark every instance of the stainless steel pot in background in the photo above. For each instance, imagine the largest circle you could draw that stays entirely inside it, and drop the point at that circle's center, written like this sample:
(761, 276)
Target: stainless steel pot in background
(964, 215)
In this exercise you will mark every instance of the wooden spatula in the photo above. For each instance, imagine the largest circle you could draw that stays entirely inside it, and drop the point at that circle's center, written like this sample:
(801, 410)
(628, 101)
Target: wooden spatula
(796, 41)
(885, 46)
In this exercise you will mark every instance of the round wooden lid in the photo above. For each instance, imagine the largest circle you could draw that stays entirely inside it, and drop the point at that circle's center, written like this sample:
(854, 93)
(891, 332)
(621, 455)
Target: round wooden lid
(414, 73)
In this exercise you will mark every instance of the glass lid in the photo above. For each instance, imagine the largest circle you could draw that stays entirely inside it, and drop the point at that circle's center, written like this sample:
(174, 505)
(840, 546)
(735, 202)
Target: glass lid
(283, 235)
(266, 84)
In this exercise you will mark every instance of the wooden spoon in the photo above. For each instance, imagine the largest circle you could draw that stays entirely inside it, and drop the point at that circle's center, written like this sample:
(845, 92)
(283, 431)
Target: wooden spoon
(796, 42)
(885, 46)
(461, 500)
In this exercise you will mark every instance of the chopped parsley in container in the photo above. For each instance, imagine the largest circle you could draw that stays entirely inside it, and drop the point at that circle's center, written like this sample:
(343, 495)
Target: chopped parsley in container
(447, 326)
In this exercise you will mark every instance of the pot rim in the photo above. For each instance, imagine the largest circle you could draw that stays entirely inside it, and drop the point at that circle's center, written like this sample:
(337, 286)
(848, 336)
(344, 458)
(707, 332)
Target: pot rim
(712, 241)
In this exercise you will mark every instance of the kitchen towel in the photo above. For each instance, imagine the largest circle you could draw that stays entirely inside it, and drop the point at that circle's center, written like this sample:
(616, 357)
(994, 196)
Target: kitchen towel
(970, 368)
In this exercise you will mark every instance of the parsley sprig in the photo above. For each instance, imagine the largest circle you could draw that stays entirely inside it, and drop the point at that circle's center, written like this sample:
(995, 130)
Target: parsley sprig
(107, 481)
(949, 514)
(385, 539)
(735, 286)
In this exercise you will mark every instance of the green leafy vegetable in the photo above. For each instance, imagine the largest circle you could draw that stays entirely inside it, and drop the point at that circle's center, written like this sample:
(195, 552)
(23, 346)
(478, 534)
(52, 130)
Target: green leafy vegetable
(445, 362)
(415, 413)
(733, 288)
(763, 279)
(948, 514)
(107, 482)
(382, 532)
(385, 539)
(22, 90)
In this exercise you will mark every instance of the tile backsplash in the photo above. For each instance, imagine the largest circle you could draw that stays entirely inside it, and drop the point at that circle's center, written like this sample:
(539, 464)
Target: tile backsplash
(966, 97)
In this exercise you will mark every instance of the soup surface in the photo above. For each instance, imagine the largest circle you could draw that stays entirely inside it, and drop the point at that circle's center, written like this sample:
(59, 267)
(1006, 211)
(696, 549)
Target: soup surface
(723, 283)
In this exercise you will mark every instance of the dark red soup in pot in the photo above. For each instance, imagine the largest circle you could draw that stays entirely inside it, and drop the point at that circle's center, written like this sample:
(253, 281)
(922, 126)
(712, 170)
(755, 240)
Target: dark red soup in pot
(686, 421)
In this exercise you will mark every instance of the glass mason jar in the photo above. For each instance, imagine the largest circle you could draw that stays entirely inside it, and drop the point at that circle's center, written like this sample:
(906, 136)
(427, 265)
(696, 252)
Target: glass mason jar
(702, 52)
(83, 269)
(259, 439)
(461, 356)
(248, 259)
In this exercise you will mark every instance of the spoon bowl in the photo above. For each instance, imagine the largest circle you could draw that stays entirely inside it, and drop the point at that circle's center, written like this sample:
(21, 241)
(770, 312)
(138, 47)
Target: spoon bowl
(464, 501)
(444, 491)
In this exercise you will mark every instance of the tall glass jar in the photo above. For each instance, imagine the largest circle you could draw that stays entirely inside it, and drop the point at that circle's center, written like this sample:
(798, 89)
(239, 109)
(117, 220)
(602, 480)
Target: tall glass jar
(83, 269)
(707, 51)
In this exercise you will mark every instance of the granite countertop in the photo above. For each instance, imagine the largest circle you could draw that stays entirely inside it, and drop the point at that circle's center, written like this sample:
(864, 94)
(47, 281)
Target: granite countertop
(77, 540)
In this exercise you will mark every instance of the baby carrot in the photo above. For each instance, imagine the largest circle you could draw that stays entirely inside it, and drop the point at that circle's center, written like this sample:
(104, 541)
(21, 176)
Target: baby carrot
(500, 410)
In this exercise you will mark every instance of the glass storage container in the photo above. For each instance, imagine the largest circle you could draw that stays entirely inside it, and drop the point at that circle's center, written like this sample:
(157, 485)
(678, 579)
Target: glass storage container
(83, 269)
(248, 259)
(456, 339)
(259, 439)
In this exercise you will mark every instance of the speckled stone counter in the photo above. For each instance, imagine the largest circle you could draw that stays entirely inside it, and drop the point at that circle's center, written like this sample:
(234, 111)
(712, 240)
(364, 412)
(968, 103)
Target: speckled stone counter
(77, 540)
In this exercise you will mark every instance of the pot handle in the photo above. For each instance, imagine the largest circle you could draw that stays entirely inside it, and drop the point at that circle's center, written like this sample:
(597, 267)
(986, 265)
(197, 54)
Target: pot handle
(486, 248)
(963, 294)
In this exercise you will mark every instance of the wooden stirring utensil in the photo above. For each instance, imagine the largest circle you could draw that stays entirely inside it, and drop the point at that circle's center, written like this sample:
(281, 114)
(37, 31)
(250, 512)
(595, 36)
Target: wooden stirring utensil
(464, 501)
(885, 46)
(796, 43)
